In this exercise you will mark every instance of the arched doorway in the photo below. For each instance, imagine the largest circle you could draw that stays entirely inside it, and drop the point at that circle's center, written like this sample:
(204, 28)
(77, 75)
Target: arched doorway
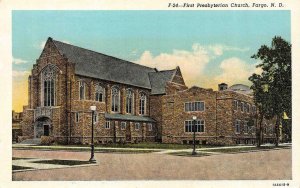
(42, 127)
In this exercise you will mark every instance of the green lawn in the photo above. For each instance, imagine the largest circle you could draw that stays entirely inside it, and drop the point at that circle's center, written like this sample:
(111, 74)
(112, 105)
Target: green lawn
(15, 167)
(189, 154)
(147, 145)
(144, 145)
(245, 149)
(20, 158)
(63, 162)
(86, 148)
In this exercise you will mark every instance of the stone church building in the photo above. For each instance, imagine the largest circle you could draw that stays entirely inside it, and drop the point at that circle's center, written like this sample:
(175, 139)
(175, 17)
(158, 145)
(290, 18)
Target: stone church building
(134, 103)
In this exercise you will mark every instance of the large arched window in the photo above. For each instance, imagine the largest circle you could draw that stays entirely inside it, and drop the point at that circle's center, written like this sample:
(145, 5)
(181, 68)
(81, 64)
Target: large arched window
(129, 101)
(48, 78)
(115, 99)
(143, 98)
(99, 93)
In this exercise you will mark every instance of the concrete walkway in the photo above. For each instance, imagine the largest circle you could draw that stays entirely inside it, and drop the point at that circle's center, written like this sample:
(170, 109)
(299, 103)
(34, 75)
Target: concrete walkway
(160, 151)
(262, 165)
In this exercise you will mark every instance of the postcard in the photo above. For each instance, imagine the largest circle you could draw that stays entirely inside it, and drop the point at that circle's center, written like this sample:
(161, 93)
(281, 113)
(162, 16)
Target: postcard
(143, 94)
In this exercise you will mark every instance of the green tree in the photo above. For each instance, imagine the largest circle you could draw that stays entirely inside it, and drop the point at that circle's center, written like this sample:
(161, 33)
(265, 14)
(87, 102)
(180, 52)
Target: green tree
(272, 88)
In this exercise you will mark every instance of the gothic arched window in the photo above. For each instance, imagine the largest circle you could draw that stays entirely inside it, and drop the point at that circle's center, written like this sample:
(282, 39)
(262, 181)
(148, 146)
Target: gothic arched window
(143, 98)
(115, 99)
(99, 93)
(129, 101)
(48, 78)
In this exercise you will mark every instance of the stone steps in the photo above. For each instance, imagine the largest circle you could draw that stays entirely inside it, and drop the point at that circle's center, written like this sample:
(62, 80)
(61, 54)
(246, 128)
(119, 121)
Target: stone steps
(35, 141)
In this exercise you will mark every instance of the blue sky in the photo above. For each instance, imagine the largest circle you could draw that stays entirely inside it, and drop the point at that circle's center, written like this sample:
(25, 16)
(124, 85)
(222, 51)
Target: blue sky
(205, 44)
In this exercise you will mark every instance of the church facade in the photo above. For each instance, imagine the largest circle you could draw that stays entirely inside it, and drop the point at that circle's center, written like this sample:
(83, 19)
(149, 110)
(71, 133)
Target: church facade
(133, 103)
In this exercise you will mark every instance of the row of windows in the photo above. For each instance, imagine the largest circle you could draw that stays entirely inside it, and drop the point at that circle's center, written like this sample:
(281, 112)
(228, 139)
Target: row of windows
(248, 128)
(115, 98)
(124, 124)
(238, 123)
(107, 123)
(194, 106)
(199, 126)
(243, 106)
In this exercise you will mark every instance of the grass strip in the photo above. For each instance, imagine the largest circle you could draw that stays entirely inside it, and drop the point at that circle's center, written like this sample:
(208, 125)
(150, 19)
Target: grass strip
(63, 162)
(20, 158)
(15, 167)
(245, 149)
(189, 154)
(97, 150)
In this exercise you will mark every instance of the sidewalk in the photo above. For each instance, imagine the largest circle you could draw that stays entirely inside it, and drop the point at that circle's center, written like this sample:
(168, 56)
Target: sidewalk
(160, 151)
(263, 165)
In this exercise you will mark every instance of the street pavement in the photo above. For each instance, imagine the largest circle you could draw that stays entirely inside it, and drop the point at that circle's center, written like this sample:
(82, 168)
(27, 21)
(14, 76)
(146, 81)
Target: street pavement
(261, 165)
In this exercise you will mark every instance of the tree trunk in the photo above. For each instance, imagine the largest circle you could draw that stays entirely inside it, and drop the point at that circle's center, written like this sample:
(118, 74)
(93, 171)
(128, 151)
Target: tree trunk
(259, 132)
(277, 130)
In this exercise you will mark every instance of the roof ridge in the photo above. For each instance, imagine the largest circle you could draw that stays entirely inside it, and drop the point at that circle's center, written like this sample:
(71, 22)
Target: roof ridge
(163, 71)
(125, 61)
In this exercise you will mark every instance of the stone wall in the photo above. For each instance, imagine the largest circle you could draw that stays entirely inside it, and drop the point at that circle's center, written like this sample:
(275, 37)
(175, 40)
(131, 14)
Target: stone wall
(64, 129)
(174, 116)
(27, 122)
(156, 114)
(228, 115)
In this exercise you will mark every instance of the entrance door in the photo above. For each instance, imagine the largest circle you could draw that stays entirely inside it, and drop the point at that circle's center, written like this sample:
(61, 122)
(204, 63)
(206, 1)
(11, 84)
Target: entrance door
(46, 130)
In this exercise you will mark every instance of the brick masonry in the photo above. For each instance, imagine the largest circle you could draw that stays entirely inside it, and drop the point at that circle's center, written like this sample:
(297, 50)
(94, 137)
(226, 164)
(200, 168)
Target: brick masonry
(166, 109)
(64, 128)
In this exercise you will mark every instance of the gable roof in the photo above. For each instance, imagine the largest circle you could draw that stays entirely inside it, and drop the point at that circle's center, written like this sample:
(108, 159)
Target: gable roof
(159, 79)
(93, 64)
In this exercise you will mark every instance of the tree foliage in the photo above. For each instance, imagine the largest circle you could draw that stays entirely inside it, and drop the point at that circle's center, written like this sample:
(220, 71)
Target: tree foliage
(272, 88)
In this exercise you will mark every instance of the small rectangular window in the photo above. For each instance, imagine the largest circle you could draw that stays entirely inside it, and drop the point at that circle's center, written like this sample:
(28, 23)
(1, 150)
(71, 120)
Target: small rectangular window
(194, 106)
(123, 125)
(137, 126)
(235, 104)
(150, 126)
(76, 117)
(242, 106)
(107, 125)
(237, 126)
(95, 118)
(246, 127)
(248, 108)
(253, 109)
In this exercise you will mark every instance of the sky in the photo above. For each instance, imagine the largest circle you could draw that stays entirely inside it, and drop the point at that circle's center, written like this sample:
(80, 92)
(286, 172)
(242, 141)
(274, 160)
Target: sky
(209, 46)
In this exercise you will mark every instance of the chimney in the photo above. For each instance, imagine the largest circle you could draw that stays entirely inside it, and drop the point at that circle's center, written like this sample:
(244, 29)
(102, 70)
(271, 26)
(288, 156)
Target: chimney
(222, 86)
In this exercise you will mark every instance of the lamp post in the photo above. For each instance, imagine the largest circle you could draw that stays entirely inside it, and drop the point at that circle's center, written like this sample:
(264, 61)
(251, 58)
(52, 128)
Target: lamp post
(194, 131)
(92, 159)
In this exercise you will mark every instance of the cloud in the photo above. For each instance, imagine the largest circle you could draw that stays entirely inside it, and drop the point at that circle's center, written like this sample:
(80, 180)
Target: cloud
(219, 49)
(19, 61)
(235, 70)
(192, 63)
(20, 75)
